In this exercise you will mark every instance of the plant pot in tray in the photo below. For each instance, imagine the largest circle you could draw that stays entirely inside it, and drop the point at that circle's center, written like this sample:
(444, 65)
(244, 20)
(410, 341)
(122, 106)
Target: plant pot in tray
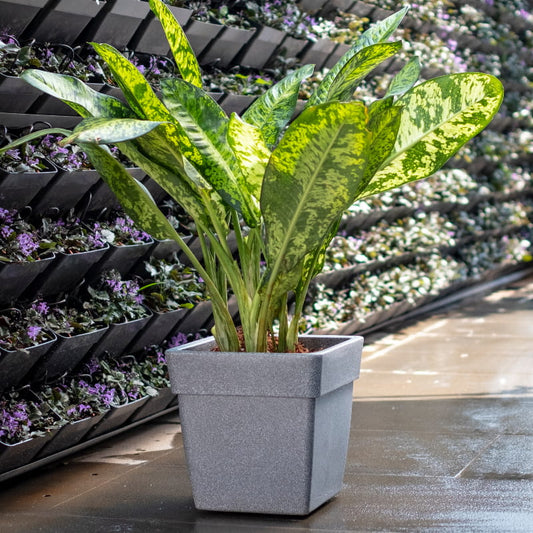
(152, 39)
(15, 364)
(201, 34)
(155, 404)
(66, 354)
(16, 96)
(17, 14)
(66, 190)
(269, 433)
(116, 417)
(16, 455)
(18, 189)
(263, 45)
(237, 103)
(119, 24)
(119, 335)
(65, 22)
(69, 435)
(228, 44)
(161, 325)
(124, 257)
(68, 271)
(16, 277)
(319, 52)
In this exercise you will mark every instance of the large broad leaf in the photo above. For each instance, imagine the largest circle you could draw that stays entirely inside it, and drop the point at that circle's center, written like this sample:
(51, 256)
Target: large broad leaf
(179, 44)
(311, 179)
(377, 33)
(109, 130)
(359, 66)
(251, 152)
(137, 91)
(405, 79)
(439, 116)
(272, 111)
(205, 125)
(133, 197)
(83, 99)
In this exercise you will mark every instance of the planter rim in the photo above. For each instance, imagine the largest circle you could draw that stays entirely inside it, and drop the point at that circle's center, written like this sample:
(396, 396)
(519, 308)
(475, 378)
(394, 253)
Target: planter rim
(196, 370)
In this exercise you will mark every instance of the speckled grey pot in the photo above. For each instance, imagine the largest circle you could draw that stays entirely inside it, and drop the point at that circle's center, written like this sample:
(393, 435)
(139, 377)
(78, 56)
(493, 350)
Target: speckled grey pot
(266, 433)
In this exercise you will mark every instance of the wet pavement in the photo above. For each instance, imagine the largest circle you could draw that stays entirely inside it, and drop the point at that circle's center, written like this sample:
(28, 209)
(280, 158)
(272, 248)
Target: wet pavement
(442, 440)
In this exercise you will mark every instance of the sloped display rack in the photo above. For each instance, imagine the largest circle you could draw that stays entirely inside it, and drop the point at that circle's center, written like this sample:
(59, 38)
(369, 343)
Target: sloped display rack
(483, 242)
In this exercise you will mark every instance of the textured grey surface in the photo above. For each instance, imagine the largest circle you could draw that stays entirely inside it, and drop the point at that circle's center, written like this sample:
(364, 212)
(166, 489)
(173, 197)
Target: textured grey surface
(266, 433)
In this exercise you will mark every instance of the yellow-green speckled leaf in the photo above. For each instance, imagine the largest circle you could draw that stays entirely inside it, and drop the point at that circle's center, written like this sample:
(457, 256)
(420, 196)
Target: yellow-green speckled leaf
(133, 197)
(405, 79)
(179, 45)
(83, 99)
(251, 152)
(439, 116)
(312, 177)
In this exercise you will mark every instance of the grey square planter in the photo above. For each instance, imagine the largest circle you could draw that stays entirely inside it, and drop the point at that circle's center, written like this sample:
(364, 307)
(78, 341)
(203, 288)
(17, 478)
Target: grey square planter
(266, 433)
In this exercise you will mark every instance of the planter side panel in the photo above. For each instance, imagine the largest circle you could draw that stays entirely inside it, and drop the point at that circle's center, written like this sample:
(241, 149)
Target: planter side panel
(263, 462)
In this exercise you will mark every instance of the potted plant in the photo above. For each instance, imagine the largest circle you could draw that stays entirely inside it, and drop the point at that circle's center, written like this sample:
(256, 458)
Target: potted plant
(278, 188)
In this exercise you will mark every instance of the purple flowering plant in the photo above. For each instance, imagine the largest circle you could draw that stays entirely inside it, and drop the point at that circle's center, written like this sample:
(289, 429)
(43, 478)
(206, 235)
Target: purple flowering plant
(68, 235)
(19, 239)
(63, 318)
(120, 230)
(23, 418)
(20, 330)
(114, 300)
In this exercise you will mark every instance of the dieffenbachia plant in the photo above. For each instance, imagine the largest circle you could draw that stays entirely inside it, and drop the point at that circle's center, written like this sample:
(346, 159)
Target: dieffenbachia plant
(275, 185)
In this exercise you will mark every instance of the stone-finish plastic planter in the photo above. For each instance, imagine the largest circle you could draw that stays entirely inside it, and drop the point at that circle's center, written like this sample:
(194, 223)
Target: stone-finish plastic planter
(266, 433)
(16, 96)
(318, 53)
(201, 34)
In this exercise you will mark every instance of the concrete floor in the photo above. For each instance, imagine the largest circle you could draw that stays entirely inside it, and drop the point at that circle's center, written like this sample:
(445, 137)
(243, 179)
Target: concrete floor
(442, 440)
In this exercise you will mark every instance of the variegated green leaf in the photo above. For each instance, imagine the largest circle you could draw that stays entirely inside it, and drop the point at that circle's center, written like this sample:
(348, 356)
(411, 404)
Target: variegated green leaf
(109, 130)
(312, 177)
(251, 152)
(32, 136)
(137, 91)
(179, 44)
(377, 33)
(272, 111)
(133, 197)
(206, 125)
(155, 159)
(361, 64)
(438, 117)
(405, 79)
(83, 99)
